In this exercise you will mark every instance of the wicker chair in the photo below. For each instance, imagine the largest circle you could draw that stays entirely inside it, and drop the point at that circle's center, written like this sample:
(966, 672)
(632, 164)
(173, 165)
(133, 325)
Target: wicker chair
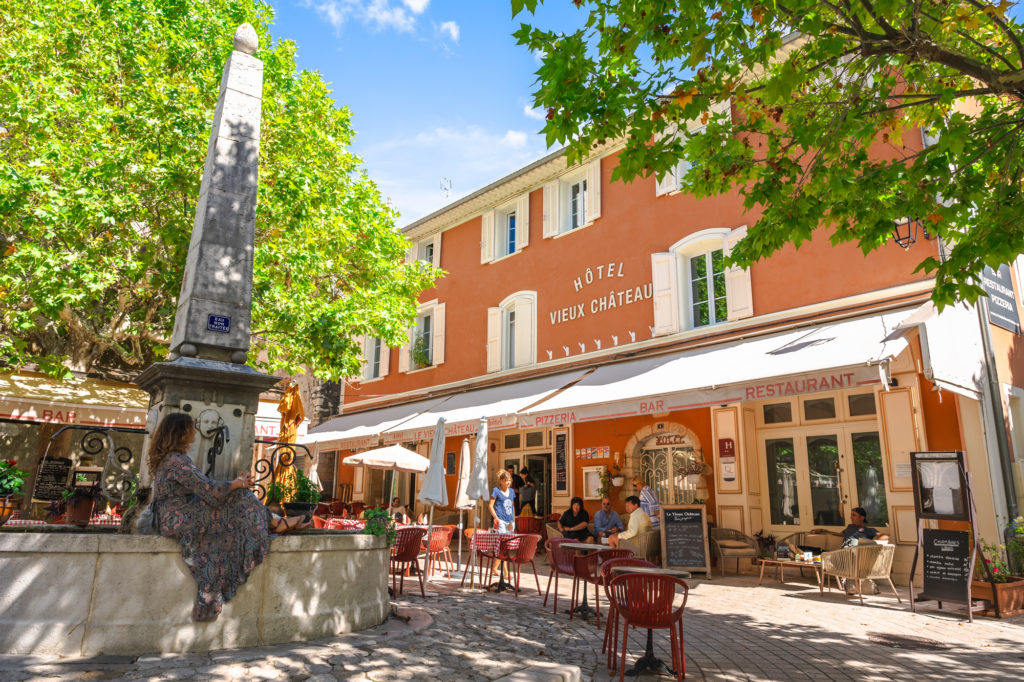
(861, 562)
(645, 545)
(732, 544)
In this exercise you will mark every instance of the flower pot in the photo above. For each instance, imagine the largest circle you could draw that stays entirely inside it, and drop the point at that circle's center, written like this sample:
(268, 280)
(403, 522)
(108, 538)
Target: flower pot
(8, 505)
(617, 481)
(79, 511)
(1009, 596)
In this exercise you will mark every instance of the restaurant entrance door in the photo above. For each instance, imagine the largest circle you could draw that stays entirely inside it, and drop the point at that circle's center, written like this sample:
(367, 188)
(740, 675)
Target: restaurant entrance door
(540, 471)
(815, 476)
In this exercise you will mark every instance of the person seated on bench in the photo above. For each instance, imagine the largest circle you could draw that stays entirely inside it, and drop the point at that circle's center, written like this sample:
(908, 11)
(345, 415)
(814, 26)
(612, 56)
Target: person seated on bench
(573, 523)
(639, 522)
(221, 526)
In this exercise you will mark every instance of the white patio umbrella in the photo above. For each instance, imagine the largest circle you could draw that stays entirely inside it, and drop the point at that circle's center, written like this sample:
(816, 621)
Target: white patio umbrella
(462, 501)
(393, 458)
(478, 488)
(434, 491)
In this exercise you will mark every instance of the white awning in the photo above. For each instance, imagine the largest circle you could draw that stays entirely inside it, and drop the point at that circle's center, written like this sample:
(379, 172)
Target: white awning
(824, 357)
(90, 402)
(951, 347)
(499, 404)
(363, 429)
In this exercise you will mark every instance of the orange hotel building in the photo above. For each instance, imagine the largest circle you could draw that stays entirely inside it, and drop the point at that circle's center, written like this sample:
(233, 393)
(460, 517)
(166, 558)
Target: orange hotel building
(591, 322)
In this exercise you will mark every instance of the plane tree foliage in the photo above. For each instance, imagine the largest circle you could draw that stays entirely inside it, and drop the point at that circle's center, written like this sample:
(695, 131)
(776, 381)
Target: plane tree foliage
(105, 113)
(829, 100)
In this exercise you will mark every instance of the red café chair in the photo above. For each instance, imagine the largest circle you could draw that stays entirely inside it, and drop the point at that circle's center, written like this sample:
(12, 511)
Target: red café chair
(440, 539)
(519, 550)
(533, 525)
(612, 623)
(645, 600)
(560, 563)
(586, 568)
(404, 553)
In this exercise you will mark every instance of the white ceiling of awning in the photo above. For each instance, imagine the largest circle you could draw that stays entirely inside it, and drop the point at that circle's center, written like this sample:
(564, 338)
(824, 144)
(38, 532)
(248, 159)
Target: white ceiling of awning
(732, 372)
(362, 428)
(499, 404)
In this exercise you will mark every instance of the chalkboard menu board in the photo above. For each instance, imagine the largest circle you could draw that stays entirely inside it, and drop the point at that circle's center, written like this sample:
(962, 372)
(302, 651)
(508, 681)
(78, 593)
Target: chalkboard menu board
(52, 478)
(947, 564)
(684, 539)
(561, 463)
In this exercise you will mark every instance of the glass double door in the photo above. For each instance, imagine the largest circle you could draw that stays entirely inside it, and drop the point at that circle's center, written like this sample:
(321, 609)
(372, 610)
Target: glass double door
(816, 476)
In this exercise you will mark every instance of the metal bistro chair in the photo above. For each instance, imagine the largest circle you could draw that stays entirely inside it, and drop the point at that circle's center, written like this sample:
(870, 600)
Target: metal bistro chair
(404, 553)
(645, 600)
(519, 550)
(560, 562)
(612, 622)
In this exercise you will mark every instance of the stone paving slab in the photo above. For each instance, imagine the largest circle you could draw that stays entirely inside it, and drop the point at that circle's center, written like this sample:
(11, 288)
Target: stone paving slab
(735, 629)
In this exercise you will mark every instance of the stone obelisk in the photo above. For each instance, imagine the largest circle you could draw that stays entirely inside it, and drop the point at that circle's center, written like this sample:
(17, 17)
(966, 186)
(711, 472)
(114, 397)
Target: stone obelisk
(205, 374)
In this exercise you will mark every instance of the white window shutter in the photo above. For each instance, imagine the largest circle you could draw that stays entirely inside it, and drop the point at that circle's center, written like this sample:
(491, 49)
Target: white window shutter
(525, 328)
(437, 250)
(361, 342)
(438, 350)
(403, 353)
(738, 294)
(593, 191)
(487, 237)
(666, 292)
(551, 209)
(523, 221)
(385, 359)
(493, 339)
(668, 184)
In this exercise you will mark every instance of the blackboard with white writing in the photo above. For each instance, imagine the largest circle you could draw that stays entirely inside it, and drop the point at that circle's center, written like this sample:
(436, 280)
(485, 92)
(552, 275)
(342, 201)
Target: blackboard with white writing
(52, 478)
(947, 564)
(561, 463)
(684, 538)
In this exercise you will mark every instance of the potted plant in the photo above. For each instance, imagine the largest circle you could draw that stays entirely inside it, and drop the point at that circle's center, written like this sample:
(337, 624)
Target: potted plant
(380, 522)
(306, 496)
(765, 544)
(606, 483)
(994, 582)
(11, 481)
(79, 499)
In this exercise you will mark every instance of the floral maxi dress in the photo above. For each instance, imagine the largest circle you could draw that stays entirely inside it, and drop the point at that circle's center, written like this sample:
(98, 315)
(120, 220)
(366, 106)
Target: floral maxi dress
(223, 533)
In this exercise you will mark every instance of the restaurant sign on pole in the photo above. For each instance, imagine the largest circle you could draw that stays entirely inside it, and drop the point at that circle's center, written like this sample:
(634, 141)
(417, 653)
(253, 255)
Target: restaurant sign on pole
(1002, 304)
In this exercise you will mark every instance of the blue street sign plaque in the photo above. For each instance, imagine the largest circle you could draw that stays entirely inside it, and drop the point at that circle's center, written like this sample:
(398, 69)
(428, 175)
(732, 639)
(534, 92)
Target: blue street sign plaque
(219, 323)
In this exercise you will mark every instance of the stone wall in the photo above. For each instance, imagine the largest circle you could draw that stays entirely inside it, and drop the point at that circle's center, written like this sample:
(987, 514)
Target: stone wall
(88, 594)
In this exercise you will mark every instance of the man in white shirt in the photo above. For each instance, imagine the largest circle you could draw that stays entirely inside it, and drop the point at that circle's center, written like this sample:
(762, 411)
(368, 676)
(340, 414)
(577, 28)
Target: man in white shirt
(639, 522)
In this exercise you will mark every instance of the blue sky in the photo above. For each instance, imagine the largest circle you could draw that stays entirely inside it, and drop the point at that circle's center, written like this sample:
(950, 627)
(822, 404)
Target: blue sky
(438, 89)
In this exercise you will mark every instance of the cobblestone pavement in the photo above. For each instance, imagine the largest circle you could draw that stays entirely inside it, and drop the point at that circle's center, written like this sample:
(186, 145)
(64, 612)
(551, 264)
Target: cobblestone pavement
(734, 630)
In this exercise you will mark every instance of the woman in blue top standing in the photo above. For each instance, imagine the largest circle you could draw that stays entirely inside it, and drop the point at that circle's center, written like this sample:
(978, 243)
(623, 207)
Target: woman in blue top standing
(501, 504)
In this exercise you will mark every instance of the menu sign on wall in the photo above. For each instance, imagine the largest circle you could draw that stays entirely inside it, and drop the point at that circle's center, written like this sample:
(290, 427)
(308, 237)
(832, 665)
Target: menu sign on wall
(1002, 304)
(561, 463)
(947, 564)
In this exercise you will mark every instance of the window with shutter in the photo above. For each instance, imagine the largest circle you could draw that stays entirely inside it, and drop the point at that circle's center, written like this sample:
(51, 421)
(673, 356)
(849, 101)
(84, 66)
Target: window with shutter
(573, 201)
(494, 318)
(426, 339)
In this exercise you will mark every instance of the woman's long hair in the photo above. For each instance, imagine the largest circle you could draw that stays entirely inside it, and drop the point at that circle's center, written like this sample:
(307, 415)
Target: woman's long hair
(174, 434)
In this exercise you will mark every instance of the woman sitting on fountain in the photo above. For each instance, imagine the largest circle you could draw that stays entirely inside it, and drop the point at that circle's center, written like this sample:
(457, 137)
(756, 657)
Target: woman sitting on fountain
(221, 525)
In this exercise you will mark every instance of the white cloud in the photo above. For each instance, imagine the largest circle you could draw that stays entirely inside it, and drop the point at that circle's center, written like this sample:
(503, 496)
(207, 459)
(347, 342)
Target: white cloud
(417, 6)
(378, 14)
(409, 169)
(535, 114)
(451, 28)
(515, 139)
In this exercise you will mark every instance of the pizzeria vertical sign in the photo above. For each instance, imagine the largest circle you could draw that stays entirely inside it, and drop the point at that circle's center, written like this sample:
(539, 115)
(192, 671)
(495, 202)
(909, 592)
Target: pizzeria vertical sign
(1002, 303)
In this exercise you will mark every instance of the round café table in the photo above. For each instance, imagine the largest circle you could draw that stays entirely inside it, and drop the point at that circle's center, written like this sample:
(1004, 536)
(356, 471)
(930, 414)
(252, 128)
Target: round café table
(583, 610)
(649, 661)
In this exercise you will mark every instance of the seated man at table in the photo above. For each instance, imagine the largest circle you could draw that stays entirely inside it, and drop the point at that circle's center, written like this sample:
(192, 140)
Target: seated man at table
(639, 522)
(573, 523)
(606, 520)
(856, 531)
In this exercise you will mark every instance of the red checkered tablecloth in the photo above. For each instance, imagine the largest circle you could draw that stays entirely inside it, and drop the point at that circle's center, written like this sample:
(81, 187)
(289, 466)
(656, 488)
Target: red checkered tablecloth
(487, 543)
(97, 520)
(345, 524)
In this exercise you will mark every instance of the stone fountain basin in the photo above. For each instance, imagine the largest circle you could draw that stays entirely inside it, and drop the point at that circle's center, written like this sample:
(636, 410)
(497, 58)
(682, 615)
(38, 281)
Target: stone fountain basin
(90, 593)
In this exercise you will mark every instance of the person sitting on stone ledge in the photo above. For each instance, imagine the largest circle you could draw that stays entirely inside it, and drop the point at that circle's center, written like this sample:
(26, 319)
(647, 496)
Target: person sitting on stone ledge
(221, 526)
